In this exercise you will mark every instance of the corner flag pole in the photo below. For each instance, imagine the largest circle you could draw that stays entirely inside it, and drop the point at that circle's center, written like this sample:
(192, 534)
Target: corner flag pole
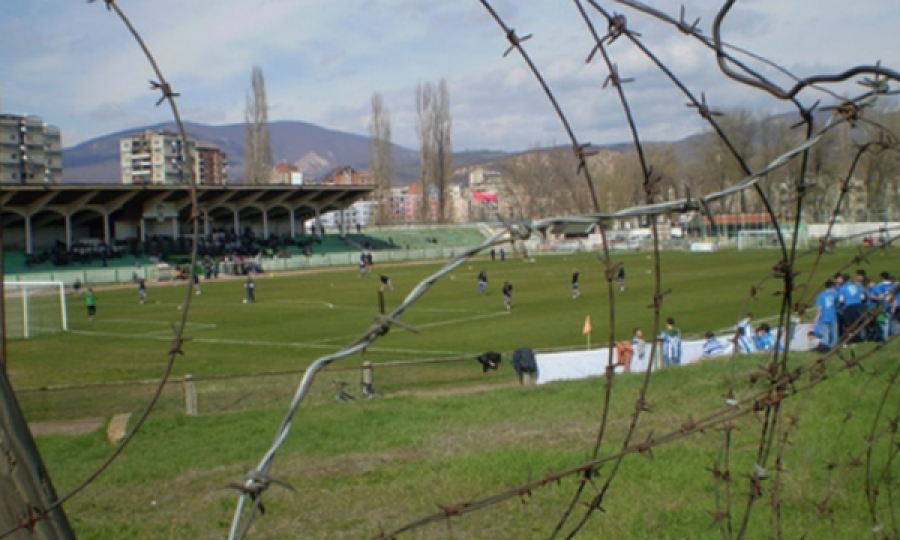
(587, 330)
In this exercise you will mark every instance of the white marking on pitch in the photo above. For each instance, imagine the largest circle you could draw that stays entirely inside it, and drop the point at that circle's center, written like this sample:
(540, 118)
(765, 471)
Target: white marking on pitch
(166, 323)
(464, 319)
(426, 325)
(314, 303)
(299, 345)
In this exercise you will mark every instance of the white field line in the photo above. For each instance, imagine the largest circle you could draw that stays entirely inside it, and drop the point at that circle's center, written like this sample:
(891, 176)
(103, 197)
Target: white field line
(254, 343)
(160, 323)
(427, 325)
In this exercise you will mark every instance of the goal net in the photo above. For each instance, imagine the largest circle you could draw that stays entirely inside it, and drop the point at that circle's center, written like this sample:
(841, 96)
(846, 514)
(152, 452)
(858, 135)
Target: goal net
(35, 308)
(768, 238)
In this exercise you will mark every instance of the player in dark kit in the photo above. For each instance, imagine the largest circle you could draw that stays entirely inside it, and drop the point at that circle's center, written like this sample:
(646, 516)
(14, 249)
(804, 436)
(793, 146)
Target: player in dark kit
(386, 282)
(576, 291)
(482, 281)
(507, 294)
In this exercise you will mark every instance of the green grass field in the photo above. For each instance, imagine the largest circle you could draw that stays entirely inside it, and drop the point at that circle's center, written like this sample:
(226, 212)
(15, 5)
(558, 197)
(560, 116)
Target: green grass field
(436, 437)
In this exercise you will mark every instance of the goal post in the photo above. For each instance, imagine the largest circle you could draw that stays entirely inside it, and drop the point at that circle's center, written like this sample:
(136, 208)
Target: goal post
(35, 308)
(768, 238)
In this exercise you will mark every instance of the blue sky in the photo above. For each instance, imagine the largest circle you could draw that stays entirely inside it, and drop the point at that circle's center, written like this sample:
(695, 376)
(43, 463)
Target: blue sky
(75, 64)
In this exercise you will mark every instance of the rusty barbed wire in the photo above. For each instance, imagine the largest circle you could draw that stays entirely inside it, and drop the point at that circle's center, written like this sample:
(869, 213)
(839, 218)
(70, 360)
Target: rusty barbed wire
(178, 340)
(781, 384)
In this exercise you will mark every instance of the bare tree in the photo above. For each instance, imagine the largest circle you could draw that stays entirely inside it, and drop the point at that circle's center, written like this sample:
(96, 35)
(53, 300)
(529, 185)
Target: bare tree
(443, 147)
(435, 136)
(381, 156)
(424, 104)
(258, 150)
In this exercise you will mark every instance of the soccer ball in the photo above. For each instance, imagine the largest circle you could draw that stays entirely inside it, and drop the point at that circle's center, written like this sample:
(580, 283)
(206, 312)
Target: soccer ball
(180, 307)
(245, 300)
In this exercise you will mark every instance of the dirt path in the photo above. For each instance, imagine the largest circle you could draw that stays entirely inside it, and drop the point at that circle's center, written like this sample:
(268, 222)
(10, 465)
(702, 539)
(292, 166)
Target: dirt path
(67, 427)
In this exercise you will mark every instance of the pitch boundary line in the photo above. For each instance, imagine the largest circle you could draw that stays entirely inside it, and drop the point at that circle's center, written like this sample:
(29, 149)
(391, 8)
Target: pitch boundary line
(298, 345)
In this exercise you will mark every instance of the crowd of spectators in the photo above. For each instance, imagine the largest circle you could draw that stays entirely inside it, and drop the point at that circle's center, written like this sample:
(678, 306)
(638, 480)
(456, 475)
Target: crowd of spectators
(83, 252)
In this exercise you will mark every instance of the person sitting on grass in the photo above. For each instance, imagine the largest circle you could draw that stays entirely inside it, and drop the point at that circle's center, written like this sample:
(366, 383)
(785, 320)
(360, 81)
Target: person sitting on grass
(713, 346)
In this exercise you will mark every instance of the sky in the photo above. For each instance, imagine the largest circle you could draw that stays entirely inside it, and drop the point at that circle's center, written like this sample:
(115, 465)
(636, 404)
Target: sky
(76, 65)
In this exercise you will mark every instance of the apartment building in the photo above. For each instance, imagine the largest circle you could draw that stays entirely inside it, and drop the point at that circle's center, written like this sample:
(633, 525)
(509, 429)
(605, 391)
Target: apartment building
(30, 151)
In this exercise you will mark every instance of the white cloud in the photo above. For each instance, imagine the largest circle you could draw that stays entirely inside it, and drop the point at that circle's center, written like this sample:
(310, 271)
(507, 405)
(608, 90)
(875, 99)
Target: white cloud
(323, 59)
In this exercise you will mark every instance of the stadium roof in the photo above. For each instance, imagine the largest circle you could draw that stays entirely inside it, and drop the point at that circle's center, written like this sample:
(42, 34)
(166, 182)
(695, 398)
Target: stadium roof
(131, 201)
(33, 206)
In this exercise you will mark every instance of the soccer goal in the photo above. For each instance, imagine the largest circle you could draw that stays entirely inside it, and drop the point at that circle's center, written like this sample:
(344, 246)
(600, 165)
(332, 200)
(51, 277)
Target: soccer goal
(768, 238)
(35, 308)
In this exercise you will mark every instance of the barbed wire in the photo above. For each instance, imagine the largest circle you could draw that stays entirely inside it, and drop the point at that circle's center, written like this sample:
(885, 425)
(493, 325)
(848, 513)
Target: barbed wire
(167, 95)
(781, 383)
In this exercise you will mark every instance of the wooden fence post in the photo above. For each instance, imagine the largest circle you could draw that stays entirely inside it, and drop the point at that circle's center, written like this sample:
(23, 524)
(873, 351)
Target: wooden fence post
(190, 395)
(368, 379)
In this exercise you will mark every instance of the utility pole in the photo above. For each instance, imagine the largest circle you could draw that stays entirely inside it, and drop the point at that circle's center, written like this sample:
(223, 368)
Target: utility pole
(25, 486)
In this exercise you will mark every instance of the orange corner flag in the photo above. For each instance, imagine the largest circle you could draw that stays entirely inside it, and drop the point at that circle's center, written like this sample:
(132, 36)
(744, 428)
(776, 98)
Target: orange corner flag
(587, 326)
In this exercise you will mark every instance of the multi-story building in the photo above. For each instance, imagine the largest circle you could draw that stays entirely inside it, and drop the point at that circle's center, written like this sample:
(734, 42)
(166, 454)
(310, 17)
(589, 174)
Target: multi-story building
(30, 151)
(212, 164)
(156, 157)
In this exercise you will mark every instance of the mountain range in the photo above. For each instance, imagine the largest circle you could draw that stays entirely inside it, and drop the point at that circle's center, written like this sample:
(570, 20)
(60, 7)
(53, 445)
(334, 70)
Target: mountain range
(313, 149)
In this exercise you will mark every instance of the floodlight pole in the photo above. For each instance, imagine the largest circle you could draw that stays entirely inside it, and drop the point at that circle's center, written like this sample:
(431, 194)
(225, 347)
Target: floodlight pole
(25, 486)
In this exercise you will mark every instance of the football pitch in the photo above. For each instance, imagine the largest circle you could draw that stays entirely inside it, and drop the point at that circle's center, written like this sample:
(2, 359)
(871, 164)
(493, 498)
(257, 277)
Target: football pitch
(438, 436)
(298, 318)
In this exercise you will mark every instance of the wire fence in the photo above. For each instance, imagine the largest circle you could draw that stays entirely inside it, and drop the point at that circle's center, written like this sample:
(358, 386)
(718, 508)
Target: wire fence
(769, 404)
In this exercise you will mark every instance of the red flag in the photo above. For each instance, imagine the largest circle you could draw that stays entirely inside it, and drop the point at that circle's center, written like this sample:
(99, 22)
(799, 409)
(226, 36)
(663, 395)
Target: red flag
(587, 326)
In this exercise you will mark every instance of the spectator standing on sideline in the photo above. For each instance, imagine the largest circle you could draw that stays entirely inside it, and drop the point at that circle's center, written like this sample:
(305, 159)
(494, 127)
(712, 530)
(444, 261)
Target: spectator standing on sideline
(576, 291)
(507, 294)
(671, 344)
(826, 324)
(142, 290)
(493, 254)
(385, 282)
(743, 342)
(91, 304)
(712, 346)
(76, 286)
(620, 276)
(747, 324)
(502, 255)
(482, 281)
(639, 359)
(250, 285)
(881, 295)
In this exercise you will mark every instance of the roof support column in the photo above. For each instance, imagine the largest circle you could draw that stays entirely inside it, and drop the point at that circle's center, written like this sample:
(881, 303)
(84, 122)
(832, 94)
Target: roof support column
(29, 241)
(106, 228)
(265, 215)
(68, 219)
(293, 222)
(237, 223)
